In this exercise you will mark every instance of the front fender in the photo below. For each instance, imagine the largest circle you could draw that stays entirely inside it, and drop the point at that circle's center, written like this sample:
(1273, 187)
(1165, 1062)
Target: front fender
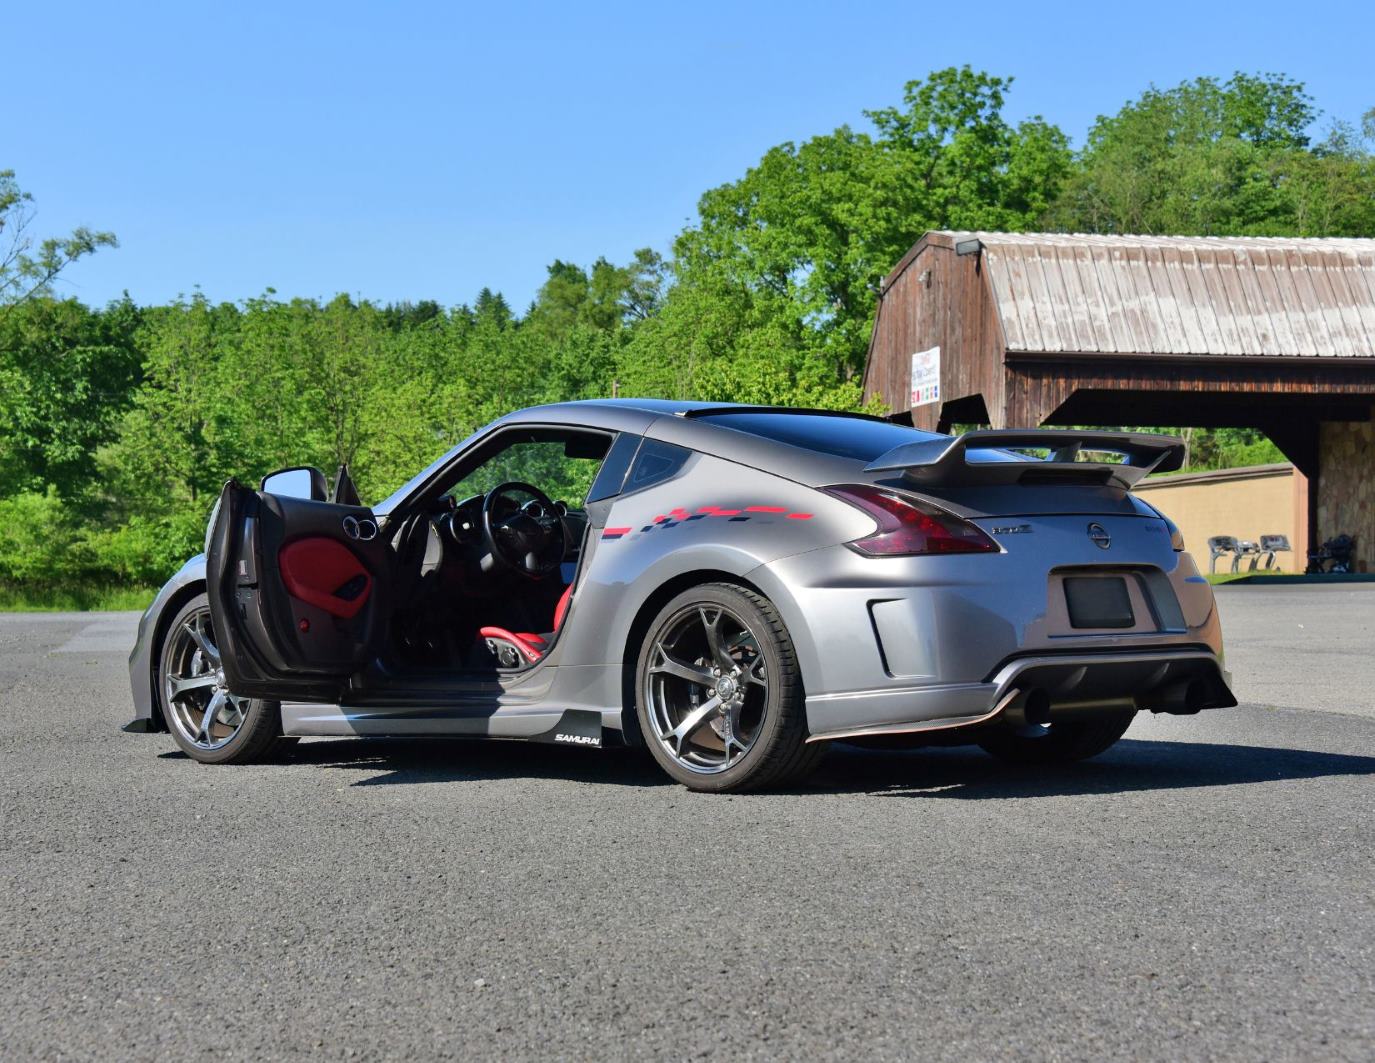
(188, 580)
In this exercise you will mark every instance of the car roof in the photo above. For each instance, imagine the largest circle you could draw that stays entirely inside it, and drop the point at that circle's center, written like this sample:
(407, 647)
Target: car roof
(684, 424)
(706, 427)
(676, 408)
(662, 407)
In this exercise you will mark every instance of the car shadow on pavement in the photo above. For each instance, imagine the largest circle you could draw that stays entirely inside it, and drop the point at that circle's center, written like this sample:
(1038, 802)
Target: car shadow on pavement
(1131, 765)
(959, 773)
(408, 761)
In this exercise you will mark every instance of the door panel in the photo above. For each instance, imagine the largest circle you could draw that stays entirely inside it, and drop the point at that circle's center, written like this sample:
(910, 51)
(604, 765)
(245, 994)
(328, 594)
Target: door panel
(298, 593)
(325, 574)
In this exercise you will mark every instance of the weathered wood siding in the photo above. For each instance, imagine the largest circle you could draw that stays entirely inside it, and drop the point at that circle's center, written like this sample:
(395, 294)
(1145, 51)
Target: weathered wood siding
(1034, 321)
(935, 298)
(1200, 392)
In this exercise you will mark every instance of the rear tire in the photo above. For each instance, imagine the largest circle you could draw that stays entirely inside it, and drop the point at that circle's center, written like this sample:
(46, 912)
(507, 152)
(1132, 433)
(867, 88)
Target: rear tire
(718, 693)
(189, 685)
(1059, 743)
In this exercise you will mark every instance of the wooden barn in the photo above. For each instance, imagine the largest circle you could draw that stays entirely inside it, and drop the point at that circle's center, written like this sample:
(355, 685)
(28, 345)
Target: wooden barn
(1018, 330)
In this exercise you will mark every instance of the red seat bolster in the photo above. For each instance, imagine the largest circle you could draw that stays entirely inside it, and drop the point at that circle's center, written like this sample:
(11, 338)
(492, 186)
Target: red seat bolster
(527, 643)
(562, 607)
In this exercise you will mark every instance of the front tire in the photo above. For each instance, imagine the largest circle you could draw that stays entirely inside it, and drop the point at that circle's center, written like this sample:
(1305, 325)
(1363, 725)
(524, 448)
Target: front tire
(719, 693)
(206, 721)
(1062, 742)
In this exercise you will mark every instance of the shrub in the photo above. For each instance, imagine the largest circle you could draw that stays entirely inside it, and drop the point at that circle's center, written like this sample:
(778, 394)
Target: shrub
(40, 543)
(147, 550)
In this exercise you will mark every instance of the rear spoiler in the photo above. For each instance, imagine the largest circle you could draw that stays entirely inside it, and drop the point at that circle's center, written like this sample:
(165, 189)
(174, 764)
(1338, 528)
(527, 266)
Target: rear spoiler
(944, 461)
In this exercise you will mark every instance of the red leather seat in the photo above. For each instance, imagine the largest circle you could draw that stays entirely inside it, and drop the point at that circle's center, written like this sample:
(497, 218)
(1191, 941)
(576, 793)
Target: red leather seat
(529, 645)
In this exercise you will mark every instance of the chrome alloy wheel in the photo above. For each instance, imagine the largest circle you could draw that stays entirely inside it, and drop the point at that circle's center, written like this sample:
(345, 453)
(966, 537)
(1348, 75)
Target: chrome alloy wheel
(202, 710)
(706, 689)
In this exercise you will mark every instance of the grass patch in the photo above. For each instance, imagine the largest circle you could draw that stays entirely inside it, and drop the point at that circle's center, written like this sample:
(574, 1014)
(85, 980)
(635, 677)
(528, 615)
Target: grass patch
(75, 599)
(1219, 578)
(1292, 577)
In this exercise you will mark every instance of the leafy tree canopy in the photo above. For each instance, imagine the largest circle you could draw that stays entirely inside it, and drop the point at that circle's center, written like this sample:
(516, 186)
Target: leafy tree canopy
(814, 227)
(119, 425)
(1222, 159)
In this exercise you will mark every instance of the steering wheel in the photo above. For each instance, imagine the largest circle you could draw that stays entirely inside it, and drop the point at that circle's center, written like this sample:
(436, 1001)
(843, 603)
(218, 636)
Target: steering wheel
(531, 540)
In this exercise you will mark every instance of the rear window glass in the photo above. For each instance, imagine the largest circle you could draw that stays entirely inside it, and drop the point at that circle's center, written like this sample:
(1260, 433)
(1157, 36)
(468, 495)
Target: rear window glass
(844, 437)
(656, 462)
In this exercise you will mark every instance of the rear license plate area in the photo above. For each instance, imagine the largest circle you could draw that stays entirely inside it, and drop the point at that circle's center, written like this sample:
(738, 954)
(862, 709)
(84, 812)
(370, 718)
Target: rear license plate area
(1098, 602)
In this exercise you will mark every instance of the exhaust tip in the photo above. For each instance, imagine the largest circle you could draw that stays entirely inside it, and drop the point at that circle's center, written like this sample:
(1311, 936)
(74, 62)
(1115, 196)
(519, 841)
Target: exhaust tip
(1181, 699)
(1031, 709)
(1036, 707)
(1195, 696)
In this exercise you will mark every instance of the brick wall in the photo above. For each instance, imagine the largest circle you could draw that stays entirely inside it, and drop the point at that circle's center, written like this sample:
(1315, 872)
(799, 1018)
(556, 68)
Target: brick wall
(1346, 485)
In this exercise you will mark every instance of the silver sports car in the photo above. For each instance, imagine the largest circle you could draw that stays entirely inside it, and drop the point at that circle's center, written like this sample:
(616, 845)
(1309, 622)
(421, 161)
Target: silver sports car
(730, 586)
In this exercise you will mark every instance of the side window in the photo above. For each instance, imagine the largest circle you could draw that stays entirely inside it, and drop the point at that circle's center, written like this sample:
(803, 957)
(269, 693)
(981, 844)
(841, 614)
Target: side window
(612, 474)
(560, 464)
(655, 463)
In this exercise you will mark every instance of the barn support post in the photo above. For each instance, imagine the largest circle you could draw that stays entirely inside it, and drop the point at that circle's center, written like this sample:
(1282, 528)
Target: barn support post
(1346, 493)
(1298, 441)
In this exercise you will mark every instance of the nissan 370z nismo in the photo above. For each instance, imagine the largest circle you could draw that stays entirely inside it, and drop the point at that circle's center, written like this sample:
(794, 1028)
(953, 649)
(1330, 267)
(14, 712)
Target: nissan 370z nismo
(730, 586)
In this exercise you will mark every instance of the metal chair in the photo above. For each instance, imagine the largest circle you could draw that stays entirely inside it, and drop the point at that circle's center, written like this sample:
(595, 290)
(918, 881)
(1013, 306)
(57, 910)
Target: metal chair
(1270, 545)
(1219, 545)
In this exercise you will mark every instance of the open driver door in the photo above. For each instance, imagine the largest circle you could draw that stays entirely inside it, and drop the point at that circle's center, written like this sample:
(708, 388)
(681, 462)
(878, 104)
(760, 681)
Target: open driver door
(297, 586)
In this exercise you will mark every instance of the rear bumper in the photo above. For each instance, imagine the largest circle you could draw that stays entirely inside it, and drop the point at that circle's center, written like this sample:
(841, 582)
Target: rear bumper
(1168, 680)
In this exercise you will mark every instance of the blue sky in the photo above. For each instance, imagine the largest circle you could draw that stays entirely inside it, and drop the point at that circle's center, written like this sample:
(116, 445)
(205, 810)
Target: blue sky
(423, 150)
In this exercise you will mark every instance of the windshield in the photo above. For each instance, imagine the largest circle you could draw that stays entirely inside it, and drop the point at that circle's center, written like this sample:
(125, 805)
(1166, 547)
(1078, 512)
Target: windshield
(405, 490)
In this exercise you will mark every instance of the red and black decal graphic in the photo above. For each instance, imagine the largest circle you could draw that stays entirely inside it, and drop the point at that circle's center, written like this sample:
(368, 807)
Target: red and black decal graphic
(677, 516)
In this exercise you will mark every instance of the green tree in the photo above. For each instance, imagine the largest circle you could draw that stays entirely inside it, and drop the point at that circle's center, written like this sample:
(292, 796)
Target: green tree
(1215, 158)
(818, 225)
(66, 377)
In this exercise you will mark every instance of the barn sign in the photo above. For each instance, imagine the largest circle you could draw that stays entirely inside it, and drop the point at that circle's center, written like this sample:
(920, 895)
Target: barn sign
(926, 377)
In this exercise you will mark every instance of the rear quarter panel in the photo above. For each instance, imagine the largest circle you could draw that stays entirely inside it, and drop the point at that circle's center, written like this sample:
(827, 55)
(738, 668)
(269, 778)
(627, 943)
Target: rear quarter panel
(715, 517)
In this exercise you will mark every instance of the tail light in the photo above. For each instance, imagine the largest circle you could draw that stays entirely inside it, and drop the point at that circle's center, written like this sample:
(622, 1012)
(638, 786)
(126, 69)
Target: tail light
(1176, 536)
(908, 527)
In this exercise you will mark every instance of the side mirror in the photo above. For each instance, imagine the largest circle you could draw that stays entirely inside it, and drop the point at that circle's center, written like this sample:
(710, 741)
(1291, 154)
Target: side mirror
(345, 493)
(301, 482)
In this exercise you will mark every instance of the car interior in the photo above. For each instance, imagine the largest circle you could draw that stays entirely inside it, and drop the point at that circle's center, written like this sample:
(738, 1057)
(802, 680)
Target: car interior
(486, 557)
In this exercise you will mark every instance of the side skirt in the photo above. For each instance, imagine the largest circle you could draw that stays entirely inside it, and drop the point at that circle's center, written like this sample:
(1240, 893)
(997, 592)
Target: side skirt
(584, 727)
(576, 727)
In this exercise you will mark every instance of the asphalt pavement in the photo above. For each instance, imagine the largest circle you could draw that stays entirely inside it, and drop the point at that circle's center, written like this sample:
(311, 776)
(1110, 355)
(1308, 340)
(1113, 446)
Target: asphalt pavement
(1204, 890)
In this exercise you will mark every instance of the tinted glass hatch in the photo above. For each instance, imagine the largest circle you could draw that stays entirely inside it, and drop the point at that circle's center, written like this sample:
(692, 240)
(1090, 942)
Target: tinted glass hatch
(844, 437)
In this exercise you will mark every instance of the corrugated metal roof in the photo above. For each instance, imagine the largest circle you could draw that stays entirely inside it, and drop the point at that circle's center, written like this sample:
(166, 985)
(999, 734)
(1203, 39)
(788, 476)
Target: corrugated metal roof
(1182, 294)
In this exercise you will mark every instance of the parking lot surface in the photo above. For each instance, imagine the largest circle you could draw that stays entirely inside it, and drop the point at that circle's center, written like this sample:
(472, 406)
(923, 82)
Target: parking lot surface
(1202, 890)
